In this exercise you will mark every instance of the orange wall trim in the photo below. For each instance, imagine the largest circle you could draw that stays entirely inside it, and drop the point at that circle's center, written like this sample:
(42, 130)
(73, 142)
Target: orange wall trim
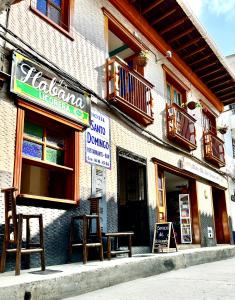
(156, 40)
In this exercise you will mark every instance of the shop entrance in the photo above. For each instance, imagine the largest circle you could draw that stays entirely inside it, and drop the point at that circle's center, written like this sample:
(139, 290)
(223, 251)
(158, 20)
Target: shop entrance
(132, 205)
(177, 203)
(220, 216)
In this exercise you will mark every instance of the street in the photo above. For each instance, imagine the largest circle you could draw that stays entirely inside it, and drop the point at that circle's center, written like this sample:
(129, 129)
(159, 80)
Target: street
(208, 282)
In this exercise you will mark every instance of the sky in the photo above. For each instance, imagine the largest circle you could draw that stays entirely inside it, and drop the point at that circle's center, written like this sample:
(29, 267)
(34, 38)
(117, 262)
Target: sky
(218, 18)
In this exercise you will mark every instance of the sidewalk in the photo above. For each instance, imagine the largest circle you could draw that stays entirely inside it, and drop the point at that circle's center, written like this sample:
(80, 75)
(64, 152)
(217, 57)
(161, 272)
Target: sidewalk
(62, 281)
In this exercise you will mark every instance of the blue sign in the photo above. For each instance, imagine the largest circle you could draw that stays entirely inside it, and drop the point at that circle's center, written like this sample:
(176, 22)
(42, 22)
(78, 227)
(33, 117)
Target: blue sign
(98, 148)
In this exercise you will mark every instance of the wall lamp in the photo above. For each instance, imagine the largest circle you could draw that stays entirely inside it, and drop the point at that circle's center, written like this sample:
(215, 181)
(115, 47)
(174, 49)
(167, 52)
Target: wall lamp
(168, 54)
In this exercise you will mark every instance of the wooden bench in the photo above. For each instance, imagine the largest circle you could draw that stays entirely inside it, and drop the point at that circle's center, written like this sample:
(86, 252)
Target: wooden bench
(110, 235)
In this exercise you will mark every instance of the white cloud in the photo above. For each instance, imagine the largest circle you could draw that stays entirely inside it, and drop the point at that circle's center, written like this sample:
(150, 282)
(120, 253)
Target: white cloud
(225, 8)
(222, 7)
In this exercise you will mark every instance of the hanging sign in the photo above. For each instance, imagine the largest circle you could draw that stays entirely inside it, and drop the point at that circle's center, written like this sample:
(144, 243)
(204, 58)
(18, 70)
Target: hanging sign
(98, 150)
(36, 84)
(164, 237)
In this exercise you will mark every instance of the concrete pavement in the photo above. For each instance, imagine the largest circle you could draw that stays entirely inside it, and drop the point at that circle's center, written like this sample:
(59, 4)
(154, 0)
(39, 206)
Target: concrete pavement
(62, 281)
(210, 281)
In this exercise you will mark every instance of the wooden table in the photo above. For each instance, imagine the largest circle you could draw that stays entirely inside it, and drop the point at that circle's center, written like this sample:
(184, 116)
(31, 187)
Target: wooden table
(118, 235)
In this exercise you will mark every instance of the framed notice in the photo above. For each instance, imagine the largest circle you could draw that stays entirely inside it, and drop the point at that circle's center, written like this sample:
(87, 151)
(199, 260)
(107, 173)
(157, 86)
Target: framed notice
(185, 219)
(164, 237)
(98, 149)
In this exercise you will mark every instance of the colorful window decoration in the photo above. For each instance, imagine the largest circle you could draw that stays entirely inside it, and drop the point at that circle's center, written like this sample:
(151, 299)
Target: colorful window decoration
(32, 149)
(40, 143)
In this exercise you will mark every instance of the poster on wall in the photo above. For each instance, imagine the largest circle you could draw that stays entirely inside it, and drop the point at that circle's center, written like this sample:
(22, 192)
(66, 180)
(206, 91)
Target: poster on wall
(98, 188)
(97, 145)
(37, 84)
(185, 219)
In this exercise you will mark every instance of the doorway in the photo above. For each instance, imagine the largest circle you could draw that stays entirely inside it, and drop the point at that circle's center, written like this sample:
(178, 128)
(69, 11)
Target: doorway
(220, 216)
(132, 202)
(177, 203)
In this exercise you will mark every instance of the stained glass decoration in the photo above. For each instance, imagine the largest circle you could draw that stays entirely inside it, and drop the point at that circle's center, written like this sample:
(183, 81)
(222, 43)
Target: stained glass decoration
(33, 130)
(32, 149)
(55, 156)
(54, 139)
(42, 6)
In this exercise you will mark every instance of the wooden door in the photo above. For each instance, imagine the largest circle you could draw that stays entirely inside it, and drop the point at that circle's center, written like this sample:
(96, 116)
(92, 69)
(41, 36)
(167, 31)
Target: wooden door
(221, 217)
(161, 196)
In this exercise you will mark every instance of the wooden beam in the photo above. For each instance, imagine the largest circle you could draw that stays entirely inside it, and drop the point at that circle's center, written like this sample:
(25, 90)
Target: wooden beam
(212, 72)
(222, 83)
(138, 21)
(151, 6)
(217, 78)
(228, 88)
(169, 13)
(179, 36)
(206, 66)
(200, 60)
(190, 43)
(229, 94)
(229, 100)
(194, 52)
(174, 25)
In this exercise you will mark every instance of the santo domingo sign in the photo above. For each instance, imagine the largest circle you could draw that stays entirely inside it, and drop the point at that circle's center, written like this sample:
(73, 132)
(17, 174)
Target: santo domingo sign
(42, 87)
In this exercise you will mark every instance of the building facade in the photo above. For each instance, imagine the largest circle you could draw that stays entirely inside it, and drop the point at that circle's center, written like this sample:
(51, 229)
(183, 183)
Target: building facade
(82, 113)
(228, 119)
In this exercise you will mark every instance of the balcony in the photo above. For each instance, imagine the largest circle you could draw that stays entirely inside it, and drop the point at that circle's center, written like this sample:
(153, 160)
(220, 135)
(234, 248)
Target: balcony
(129, 91)
(213, 149)
(180, 127)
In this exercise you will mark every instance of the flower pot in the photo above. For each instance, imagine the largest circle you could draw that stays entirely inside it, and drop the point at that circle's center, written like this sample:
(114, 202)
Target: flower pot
(191, 105)
(141, 61)
(222, 130)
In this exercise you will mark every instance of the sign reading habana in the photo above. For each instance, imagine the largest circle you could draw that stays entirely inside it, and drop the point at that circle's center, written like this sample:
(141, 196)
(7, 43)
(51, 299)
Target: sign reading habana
(35, 83)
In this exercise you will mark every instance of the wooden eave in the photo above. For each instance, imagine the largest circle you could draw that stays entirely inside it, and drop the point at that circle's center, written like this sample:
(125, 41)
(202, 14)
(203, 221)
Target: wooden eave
(166, 25)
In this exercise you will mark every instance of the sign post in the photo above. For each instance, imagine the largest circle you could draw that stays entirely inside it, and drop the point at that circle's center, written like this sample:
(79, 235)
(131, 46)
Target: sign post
(164, 237)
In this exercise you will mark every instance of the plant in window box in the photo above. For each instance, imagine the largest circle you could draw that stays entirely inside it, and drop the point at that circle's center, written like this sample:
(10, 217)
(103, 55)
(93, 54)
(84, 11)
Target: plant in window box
(222, 129)
(142, 58)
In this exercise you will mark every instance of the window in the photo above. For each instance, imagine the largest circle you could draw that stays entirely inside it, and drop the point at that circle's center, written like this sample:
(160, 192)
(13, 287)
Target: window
(173, 95)
(56, 11)
(209, 121)
(46, 163)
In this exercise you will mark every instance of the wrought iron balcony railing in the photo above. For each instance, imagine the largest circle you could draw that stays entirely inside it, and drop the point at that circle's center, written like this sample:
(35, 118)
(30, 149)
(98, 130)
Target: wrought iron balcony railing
(213, 149)
(180, 127)
(129, 91)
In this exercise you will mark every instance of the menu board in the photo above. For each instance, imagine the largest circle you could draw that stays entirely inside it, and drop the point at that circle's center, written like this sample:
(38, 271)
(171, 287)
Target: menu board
(164, 237)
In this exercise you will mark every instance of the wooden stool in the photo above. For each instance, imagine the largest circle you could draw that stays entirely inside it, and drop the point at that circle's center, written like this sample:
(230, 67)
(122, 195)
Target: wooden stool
(11, 217)
(89, 240)
(119, 235)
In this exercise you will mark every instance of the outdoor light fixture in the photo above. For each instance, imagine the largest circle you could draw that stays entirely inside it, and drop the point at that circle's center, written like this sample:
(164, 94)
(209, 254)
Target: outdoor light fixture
(168, 54)
(5, 4)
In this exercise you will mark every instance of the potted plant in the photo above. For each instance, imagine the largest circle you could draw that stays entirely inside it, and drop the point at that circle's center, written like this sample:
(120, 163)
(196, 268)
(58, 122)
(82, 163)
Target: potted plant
(142, 58)
(222, 129)
(191, 105)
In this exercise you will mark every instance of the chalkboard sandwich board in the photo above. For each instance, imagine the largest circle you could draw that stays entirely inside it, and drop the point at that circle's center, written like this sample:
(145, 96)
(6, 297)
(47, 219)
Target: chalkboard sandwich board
(164, 237)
